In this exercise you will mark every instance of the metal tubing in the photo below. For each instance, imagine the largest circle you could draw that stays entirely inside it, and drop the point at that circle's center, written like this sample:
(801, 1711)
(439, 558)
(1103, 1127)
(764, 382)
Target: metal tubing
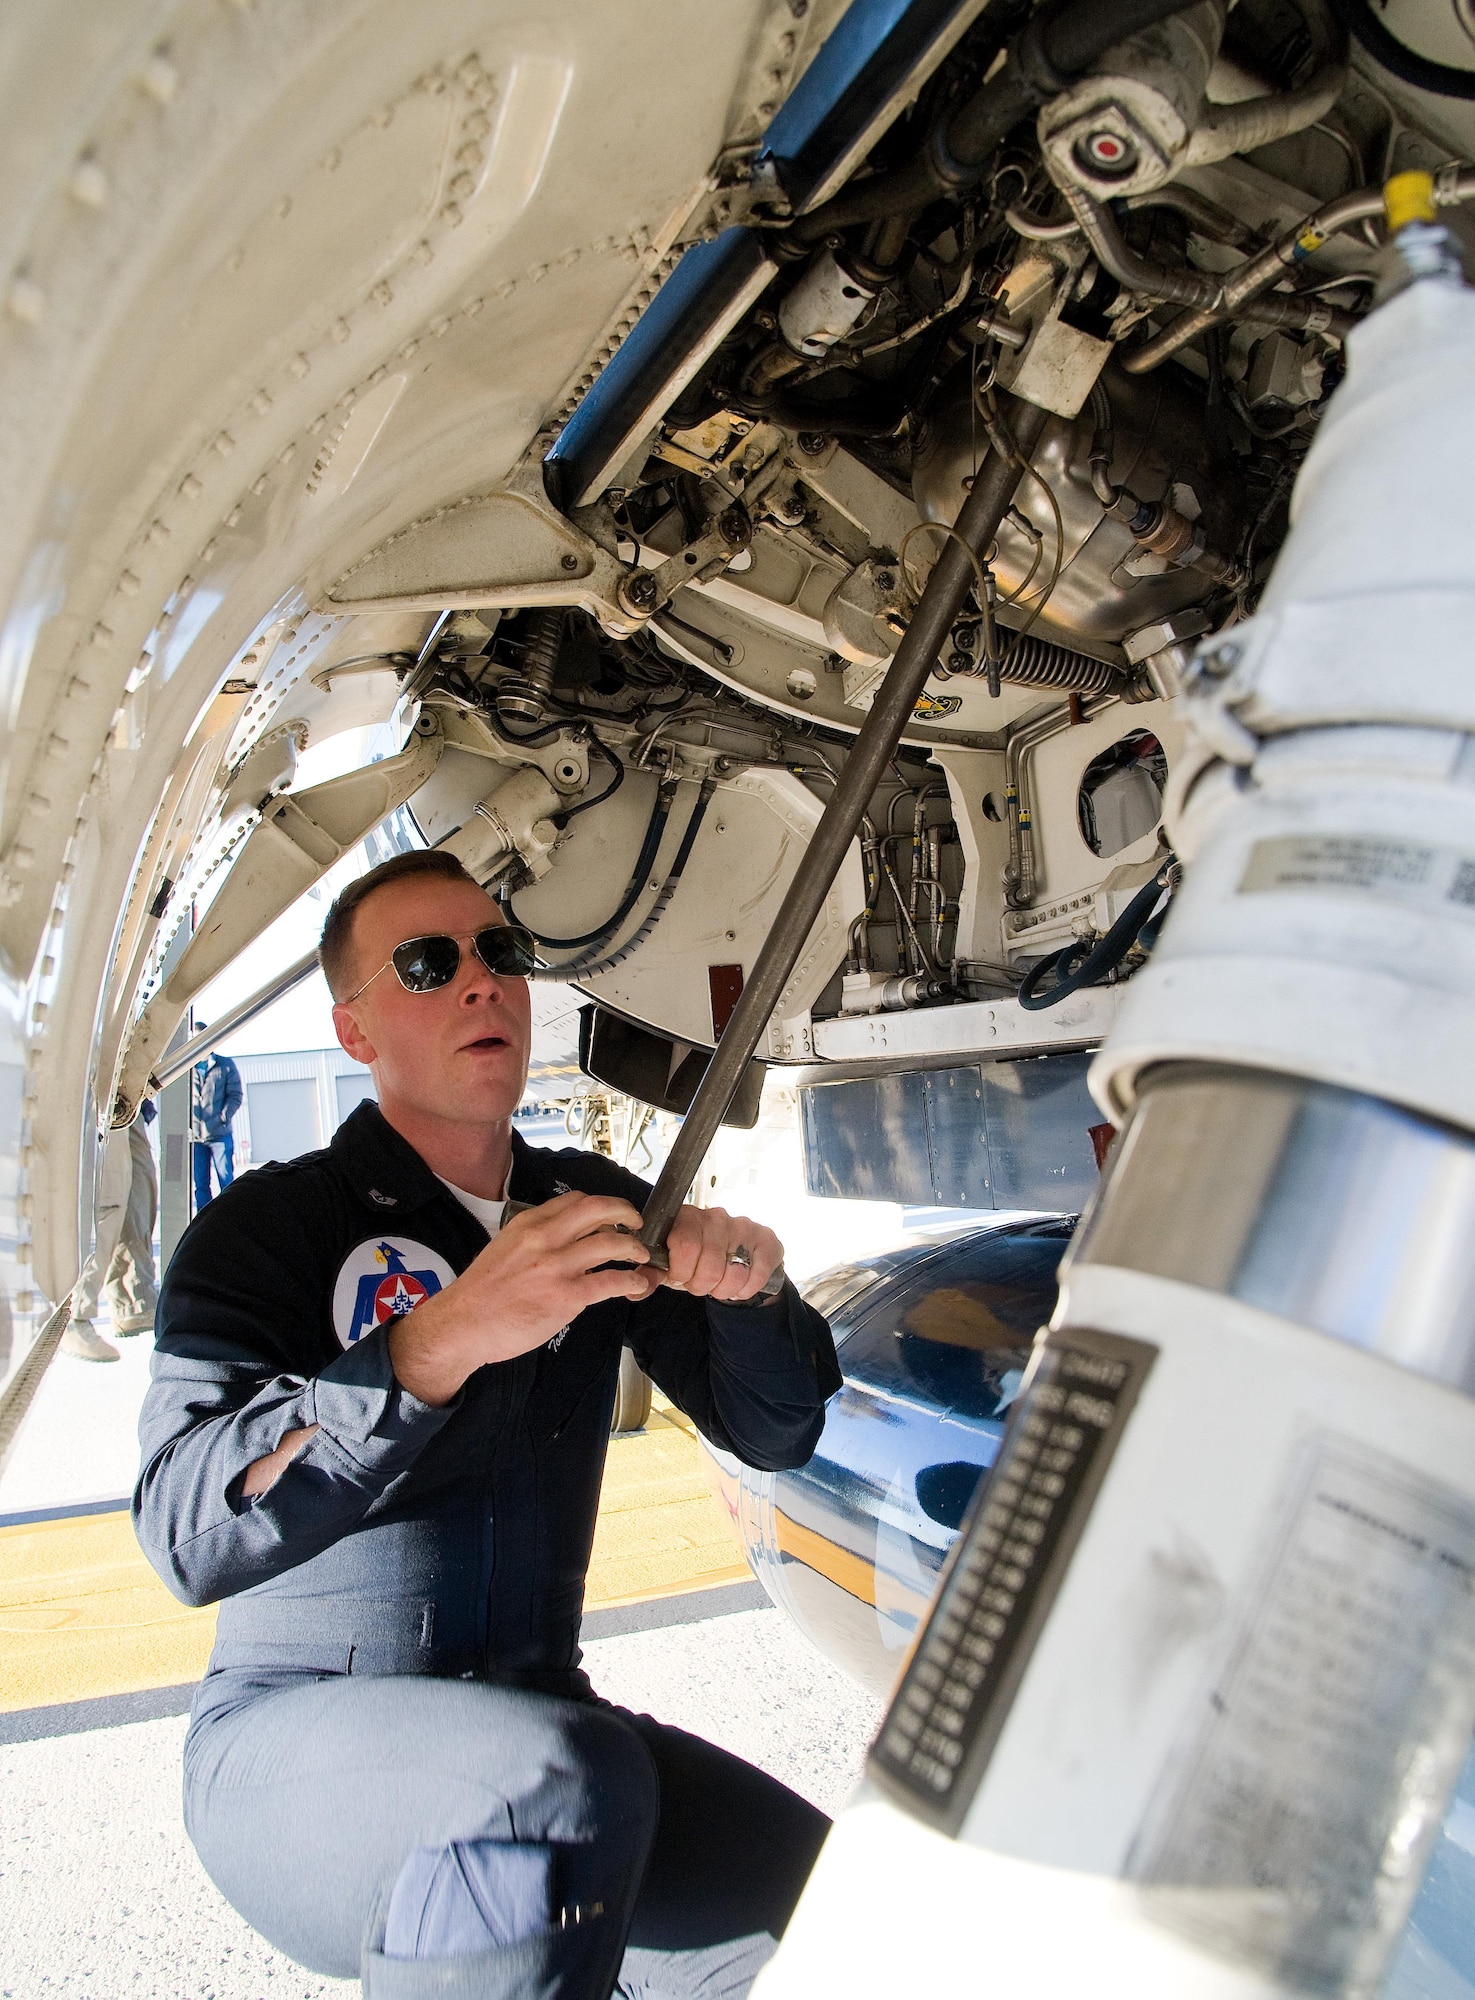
(896, 698)
(1225, 129)
(1257, 274)
(1138, 274)
(179, 1060)
(1020, 880)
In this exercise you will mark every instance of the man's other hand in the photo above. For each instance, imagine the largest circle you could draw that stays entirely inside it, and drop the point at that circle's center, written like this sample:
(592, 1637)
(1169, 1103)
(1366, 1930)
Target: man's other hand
(534, 1277)
(701, 1244)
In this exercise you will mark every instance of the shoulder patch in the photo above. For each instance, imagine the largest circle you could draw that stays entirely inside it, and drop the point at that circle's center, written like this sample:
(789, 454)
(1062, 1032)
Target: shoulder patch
(382, 1279)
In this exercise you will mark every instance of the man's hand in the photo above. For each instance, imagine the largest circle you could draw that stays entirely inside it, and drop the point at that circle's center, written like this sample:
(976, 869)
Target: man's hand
(700, 1244)
(535, 1276)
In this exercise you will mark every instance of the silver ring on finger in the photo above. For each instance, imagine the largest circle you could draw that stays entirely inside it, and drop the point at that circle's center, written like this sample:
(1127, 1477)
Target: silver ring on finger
(742, 1257)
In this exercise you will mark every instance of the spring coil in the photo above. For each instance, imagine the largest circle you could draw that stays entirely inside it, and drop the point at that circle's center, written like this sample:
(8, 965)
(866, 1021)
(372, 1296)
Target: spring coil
(522, 696)
(1030, 661)
(540, 654)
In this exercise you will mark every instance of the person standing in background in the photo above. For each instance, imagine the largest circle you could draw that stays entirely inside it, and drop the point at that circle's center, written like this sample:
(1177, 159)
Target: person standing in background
(216, 1100)
(122, 1260)
(132, 1282)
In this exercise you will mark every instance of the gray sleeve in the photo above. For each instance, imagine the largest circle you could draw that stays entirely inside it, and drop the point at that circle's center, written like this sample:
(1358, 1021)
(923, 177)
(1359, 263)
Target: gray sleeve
(237, 1364)
(753, 1379)
(208, 1417)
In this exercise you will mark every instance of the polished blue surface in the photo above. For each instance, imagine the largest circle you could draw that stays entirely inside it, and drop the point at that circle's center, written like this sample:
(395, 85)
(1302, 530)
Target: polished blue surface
(645, 374)
(933, 1341)
(1001, 1135)
(851, 90)
(874, 48)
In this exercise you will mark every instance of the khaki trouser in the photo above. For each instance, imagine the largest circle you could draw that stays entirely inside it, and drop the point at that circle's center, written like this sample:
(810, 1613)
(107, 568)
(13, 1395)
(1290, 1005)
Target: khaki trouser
(122, 1261)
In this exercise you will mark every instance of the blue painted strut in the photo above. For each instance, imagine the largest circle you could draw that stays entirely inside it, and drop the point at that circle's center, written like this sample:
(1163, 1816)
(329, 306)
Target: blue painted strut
(869, 68)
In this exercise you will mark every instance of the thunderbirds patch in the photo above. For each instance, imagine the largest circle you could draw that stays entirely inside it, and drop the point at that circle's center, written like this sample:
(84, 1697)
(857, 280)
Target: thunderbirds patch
(380, 1280)
(933, 707)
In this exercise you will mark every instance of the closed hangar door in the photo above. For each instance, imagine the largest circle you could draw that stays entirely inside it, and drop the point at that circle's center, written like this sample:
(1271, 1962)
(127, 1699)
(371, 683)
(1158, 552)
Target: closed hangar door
(284, 1118)
(352, 1088)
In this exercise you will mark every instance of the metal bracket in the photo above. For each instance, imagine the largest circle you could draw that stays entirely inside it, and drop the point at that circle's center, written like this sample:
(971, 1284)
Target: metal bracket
(295, 843)
(507, 549)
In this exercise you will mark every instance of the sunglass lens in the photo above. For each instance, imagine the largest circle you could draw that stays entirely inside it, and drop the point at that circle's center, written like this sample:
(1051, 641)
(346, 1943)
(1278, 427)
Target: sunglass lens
(506, 950)
(425, 963)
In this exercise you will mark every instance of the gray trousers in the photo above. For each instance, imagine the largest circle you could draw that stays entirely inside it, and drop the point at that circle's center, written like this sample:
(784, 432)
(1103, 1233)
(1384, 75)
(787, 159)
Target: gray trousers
(671, 1867)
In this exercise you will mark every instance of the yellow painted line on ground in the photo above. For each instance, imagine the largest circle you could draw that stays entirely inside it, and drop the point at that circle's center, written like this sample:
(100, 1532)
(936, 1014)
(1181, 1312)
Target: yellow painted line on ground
(83, 1615)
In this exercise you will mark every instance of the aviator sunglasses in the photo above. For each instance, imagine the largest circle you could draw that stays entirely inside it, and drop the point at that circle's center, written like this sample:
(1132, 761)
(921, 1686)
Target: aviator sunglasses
(424, 964)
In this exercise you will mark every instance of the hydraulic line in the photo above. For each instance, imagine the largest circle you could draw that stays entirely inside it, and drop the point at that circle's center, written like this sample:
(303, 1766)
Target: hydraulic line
(586, 968)
(584, 805)
(1257, 274)
(1019, 748)
(1083, 964)
(875, 745)
(649, 847)
(1139, 274)
(1054, 48)
(1210, 299)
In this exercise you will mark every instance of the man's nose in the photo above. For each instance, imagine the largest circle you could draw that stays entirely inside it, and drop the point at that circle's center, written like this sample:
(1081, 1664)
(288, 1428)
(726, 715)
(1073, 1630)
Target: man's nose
(475, 981)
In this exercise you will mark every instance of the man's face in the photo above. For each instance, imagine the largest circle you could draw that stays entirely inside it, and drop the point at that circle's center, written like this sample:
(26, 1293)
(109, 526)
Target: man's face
(459, 1053)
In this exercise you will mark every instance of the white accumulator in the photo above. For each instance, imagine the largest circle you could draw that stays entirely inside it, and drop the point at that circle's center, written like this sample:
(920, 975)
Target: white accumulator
(1200, 1678)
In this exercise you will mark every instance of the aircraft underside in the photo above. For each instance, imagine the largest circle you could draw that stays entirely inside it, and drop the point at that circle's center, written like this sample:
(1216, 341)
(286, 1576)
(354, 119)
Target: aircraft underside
(592, 407)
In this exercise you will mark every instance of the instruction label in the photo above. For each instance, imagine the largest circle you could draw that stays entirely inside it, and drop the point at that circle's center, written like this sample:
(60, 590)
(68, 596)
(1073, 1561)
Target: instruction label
(1005, 1570)
(1414, 873)
(1317, 1772)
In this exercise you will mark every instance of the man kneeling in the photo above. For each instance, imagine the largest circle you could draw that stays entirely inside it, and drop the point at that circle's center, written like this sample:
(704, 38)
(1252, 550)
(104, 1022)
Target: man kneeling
(376, 1431)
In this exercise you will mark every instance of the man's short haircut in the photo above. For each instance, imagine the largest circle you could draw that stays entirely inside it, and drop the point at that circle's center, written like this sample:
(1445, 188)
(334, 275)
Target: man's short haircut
(335, 946)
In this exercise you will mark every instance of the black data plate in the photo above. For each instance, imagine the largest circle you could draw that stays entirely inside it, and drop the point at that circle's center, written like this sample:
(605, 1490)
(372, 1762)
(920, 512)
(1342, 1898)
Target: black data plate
(1005, 1570)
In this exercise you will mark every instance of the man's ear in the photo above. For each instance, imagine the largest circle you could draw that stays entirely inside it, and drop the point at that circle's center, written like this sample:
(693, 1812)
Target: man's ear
(351, 1037)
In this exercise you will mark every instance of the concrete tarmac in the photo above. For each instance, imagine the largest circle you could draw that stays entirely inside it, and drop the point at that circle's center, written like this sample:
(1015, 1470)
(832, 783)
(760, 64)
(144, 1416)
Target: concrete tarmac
(102, 1898)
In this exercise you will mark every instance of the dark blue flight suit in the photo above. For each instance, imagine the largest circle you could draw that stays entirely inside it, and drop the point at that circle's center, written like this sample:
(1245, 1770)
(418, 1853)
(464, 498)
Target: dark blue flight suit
(395, 1766)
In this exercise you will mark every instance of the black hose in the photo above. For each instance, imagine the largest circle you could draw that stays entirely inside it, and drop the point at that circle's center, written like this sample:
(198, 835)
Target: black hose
(1047, 54)
(1071, 38)
(572, 812)
(1087, 965)
(660, 813)
(1442, 79)
(878, 416)
(586, 967)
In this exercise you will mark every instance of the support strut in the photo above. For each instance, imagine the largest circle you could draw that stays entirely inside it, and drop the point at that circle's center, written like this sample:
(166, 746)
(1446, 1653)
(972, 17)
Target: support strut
(916, 657)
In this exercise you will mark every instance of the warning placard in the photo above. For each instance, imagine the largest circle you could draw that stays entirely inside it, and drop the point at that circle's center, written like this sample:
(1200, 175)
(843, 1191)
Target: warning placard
(1414, 873)
(1311, 1786)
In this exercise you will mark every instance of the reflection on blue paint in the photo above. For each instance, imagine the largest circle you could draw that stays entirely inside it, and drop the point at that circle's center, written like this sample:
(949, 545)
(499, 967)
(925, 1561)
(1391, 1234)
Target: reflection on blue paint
(1436, 1960)
(933, 1341)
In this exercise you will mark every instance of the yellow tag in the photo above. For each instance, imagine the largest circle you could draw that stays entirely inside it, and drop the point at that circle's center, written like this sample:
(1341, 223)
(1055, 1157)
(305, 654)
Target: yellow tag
(1408, 198)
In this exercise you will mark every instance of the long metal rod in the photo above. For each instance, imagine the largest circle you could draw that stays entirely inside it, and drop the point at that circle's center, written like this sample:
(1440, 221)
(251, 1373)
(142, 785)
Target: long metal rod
(20, 1390)
(179, 1060)
(896, 699)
